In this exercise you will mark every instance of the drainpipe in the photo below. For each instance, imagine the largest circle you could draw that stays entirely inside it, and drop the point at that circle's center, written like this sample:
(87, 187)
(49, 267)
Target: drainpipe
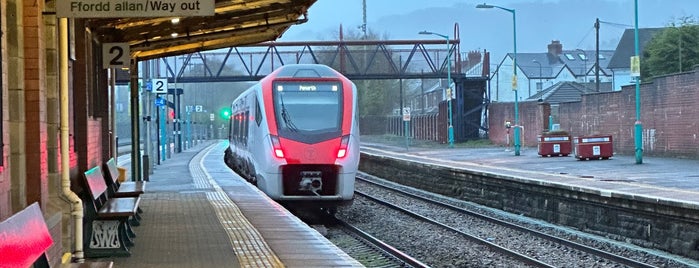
(76, 205)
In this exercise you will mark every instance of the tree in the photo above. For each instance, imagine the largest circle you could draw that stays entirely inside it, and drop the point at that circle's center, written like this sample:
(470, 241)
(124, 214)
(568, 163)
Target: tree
(673, 50)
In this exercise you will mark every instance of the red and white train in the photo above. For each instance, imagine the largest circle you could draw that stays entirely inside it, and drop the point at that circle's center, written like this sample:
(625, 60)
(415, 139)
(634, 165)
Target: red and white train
(295, 135)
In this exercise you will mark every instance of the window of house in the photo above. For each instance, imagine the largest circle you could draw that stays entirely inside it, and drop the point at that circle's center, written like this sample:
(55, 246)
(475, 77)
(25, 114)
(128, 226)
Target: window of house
(570, 56)
(582, 56)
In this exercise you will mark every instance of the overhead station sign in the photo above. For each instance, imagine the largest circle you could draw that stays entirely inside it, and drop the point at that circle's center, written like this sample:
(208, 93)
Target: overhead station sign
(133, 8)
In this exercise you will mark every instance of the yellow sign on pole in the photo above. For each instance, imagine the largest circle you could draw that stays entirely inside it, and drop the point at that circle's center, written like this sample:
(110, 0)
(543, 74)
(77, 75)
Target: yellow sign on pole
(514, 82)
(635, 66)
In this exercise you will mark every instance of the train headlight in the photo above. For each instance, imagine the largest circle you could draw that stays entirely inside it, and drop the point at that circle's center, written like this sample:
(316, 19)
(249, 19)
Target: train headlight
(277, 146)
(342, 151)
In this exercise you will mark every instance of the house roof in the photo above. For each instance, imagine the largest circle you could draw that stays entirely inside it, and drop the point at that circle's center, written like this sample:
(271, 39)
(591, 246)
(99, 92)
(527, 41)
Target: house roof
(562, 92)
(579, 62)
(582, 62)
(627, 48)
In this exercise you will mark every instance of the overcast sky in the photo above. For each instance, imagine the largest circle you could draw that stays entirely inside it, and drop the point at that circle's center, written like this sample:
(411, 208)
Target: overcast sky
(538, 21)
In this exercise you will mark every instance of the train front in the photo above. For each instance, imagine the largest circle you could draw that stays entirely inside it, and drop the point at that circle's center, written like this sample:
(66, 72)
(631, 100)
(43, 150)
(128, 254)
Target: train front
(314, 136)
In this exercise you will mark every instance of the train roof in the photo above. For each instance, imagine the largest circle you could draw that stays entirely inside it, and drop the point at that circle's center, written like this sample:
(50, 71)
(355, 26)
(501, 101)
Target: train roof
(305, 71)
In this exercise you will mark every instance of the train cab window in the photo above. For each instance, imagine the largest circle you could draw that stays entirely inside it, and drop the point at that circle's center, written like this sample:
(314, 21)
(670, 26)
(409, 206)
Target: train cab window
(308, 111)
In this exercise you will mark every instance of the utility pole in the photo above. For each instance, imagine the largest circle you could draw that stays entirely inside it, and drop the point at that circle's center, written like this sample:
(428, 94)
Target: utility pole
(364, 18)
(597, 55)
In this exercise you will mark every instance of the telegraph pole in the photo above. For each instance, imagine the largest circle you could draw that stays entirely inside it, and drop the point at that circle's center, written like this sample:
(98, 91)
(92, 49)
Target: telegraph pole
(597, 55)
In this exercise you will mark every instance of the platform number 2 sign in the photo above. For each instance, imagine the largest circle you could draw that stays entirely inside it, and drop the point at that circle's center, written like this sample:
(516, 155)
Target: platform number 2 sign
(159, 85)
(115, 55)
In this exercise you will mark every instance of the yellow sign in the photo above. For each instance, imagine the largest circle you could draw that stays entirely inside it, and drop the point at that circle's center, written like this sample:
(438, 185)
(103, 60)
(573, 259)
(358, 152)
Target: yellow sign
(514, 82)
(635, 66)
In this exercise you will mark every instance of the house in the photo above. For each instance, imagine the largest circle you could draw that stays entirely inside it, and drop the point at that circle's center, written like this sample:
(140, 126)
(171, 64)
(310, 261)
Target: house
(536, 71)
(620, 64)
(429, 98)
(433, 91)
(567, 91)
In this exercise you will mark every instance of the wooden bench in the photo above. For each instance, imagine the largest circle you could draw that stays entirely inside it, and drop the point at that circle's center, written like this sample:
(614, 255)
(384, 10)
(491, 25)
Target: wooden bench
(121, 189)
(107, 220)
(25, 238)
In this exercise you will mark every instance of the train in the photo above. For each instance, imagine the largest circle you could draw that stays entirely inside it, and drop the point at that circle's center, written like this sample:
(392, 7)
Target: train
(295, 135)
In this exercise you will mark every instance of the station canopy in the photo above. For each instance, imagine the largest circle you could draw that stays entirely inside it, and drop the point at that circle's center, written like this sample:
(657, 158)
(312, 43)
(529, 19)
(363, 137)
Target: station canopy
(235, 23)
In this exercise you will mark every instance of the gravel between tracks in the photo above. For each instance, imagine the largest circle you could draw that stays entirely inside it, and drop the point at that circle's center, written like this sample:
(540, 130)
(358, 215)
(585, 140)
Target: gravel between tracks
(434, 246)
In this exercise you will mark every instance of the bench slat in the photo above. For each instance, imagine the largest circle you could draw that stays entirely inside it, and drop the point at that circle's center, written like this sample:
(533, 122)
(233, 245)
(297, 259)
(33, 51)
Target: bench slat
(121, 189)
(24, 237)
(119, 207)
(136, 187)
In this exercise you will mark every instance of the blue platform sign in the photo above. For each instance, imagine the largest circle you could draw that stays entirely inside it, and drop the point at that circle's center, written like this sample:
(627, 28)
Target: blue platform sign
(160, 102)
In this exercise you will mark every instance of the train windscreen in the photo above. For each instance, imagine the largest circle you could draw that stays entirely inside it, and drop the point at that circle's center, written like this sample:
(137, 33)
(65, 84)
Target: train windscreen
(308, 112)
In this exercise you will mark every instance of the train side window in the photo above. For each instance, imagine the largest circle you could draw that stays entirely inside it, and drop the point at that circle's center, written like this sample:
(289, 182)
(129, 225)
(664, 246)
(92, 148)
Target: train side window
(239, 129)
(244, 122)
(258, 113)
(247, 125)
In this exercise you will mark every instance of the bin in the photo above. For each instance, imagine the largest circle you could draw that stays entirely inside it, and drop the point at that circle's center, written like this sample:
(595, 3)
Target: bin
(593, 147)
(554, 145)
(122, 174)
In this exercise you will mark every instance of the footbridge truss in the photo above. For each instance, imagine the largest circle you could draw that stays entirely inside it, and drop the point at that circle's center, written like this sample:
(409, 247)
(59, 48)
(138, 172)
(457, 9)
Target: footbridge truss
(356, 59)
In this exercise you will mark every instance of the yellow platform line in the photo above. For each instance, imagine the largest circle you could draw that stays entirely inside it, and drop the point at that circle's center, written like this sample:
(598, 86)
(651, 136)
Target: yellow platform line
(247, 243)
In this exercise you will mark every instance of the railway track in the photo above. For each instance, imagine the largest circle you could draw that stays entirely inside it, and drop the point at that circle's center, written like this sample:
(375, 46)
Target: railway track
(367, 249)
(540, 244)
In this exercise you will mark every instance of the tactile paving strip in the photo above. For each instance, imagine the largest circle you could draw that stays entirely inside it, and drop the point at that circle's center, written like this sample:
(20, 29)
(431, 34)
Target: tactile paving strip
(248, 244)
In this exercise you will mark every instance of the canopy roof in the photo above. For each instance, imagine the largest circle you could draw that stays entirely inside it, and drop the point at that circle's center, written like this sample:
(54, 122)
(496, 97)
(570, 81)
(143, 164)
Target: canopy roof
(235, 22)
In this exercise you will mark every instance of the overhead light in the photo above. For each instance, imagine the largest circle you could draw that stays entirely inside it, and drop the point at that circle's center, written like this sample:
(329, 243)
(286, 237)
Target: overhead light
(175, 20)
(174, 34)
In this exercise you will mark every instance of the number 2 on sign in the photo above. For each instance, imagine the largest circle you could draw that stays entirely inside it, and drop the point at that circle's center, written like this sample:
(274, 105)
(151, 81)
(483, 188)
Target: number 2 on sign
(115, 55)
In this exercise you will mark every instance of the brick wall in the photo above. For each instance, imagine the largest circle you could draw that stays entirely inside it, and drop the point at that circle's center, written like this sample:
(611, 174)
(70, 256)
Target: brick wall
(35, 104)
(531, 120)
(94, 143)
(668, 116)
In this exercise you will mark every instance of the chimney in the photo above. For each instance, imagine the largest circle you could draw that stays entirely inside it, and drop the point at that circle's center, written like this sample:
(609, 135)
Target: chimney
(555, 48)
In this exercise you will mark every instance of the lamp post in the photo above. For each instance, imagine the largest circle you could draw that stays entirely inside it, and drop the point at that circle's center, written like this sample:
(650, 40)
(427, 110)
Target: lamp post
(638, 128)
(450, 129)
(541, 85)
(514, 76)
